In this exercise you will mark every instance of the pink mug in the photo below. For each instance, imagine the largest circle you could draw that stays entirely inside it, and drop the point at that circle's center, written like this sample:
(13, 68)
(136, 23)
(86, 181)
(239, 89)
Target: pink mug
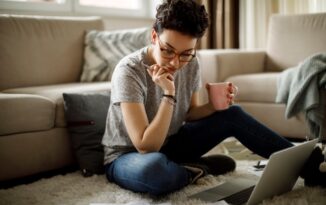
(219, 94)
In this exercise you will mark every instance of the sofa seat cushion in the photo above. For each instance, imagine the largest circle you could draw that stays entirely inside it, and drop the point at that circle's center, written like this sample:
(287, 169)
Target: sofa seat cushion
(54, 93)
(272, 115)
(258, 87)
(25, 113)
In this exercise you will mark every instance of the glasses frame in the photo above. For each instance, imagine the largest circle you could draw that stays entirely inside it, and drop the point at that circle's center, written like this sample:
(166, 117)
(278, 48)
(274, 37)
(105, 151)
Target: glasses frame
(175, 53)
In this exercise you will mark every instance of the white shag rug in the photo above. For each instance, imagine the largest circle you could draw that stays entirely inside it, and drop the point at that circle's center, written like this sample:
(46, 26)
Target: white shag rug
(74, 189)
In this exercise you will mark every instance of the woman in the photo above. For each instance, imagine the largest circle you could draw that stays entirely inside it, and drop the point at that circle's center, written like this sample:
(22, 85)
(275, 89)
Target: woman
(156, 131)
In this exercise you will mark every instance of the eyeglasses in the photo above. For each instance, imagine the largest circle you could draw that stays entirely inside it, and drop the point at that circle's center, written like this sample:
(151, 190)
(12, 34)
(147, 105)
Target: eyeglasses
(170, 54)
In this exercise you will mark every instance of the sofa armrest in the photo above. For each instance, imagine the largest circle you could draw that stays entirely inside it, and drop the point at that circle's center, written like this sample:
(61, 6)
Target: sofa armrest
(217, 65)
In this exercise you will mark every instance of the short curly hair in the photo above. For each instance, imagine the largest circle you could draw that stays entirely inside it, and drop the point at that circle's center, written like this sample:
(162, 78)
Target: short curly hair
(185, 16)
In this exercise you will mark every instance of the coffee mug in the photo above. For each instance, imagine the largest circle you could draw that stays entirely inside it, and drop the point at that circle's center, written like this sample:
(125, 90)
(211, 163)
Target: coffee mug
(220, 94)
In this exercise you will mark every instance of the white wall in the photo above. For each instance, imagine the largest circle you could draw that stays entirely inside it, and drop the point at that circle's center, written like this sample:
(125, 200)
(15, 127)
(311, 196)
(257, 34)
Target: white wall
(114, 23)
(110, 22)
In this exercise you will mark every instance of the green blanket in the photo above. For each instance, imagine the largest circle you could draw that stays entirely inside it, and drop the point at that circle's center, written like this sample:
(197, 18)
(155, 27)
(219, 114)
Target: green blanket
(302, 89)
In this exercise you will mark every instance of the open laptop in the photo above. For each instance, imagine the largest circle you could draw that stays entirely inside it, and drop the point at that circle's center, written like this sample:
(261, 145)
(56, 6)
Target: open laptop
(278, 177)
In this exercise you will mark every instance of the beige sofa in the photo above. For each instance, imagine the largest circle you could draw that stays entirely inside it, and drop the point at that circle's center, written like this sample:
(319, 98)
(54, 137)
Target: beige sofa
(42, 57)
(291, 39)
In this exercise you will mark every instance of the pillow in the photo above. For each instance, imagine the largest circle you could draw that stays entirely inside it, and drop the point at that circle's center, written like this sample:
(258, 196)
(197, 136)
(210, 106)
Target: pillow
(104, 49)
(86, 115)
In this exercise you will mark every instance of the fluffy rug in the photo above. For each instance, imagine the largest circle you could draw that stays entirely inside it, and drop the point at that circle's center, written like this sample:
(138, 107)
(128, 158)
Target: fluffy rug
(74, 189)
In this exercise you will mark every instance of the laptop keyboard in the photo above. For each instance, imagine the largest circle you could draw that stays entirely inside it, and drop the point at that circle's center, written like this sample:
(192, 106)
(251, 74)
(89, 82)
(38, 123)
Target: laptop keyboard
(239, 197)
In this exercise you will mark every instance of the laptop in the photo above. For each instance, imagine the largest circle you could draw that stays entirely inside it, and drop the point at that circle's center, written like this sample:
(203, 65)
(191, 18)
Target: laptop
(278, 177)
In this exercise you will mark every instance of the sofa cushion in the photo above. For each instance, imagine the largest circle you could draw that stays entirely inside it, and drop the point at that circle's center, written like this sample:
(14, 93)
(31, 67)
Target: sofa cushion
(259, 87)
(25, 113)
(29, 153)
(272, 115)
(86, 115)
(42, 50)
(54, 93)
(104, 49)
(292, 38)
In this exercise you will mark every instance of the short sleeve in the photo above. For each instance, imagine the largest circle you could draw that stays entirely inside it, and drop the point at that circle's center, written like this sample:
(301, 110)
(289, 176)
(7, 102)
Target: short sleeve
(127, 85)
(197, 76)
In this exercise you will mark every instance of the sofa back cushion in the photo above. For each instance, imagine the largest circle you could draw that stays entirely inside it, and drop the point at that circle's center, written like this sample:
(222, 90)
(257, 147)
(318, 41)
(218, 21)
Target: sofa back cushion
(292, 38)
(38, 50)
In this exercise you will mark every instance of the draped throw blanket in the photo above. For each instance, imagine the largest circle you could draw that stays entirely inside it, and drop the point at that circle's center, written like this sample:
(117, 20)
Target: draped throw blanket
(302, 89)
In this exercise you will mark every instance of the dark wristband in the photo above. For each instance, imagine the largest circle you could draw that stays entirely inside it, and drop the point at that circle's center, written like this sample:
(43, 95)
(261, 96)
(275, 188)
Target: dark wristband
(172, 97)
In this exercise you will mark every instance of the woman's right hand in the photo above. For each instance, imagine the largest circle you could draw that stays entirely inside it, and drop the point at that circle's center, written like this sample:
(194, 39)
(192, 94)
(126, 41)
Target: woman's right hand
(162, 78)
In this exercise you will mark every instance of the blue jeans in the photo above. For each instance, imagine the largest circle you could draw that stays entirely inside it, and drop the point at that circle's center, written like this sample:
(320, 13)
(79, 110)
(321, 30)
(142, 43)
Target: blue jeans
(160, 172)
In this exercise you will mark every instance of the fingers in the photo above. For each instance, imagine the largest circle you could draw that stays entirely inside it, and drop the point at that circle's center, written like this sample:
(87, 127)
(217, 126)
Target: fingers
(232, 88)
(150, 72)
(230, 97)
(161, 77)
(232, 93)
(156, 72)
(207, 86)
(160, 71)
(169, 76)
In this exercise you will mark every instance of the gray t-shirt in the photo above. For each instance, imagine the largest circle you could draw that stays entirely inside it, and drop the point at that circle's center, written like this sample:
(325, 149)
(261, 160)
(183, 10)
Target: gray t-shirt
(131, 83)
